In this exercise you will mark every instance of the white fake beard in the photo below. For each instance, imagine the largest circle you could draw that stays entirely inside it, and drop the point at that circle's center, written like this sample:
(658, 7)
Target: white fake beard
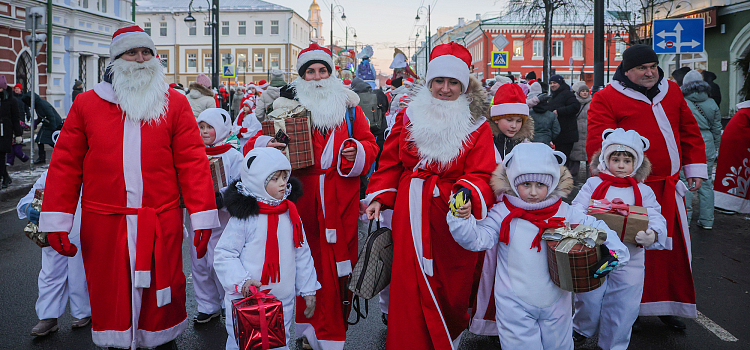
(325, 99)
(438, 128)
(140, 89)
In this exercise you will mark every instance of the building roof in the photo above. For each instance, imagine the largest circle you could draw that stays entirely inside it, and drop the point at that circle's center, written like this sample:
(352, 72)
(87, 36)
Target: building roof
(314, 5)
(151, 6)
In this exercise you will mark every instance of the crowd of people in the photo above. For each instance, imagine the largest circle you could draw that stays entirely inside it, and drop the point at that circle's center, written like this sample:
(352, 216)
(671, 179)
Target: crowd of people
(466, 175)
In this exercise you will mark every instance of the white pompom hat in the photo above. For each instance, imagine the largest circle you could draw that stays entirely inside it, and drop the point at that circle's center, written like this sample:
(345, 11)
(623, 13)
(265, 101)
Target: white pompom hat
(128, 38)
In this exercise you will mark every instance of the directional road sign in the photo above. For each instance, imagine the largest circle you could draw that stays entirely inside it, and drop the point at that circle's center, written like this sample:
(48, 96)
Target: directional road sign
(500, 41)
(678, 35)
(499, 59)
(227, 71)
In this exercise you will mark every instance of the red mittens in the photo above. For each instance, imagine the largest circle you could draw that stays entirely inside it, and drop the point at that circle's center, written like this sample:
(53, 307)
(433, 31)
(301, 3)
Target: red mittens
(59, 242)
(201, 242)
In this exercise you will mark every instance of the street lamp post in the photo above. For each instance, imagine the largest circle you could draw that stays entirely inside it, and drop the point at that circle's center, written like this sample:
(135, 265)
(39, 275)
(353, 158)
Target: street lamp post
(343, 17)
(427, 35)
(213, 15)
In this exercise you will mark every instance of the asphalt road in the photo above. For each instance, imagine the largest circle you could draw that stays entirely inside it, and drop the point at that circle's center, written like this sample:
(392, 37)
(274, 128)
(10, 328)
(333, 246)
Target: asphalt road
(721, 279)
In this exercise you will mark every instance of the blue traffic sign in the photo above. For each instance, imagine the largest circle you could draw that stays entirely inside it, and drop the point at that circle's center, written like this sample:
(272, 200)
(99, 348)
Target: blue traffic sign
(678, 35)
(499, 59)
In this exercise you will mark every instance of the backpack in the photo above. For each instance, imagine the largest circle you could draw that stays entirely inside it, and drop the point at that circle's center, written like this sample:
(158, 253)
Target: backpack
(368, 101)
(364, 70)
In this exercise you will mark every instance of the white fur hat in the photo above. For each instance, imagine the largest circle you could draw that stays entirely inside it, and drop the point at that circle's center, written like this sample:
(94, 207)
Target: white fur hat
(220, 120)
(128, 38)
(631, 141)
(258, 164)
(534, 158)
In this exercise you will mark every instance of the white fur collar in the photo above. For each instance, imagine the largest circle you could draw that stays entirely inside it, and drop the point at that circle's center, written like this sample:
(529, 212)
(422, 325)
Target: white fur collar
(745, 104)
(663, 89)
(106, 92)
(439, 129)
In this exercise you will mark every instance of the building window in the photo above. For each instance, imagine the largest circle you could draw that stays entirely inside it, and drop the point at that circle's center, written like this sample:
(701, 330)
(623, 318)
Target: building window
(258, 59)
(273, 58)
(164, 61)
(241, 62)
(274, 27)
(224, 27)
(242, 28)
(206, 28)
(258, 27)
(538, 48)
(192, 30)
(191, 60)
(102, 64)
(147, 28)
(207, 63)
(162, 28)
(517, 48)
(85, 4)
(557, 50)
(104, 6)
(577, 48)
(619, 48)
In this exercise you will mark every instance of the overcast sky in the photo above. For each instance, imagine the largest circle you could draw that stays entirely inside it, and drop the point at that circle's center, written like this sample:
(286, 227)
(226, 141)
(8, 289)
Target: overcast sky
(384, 24)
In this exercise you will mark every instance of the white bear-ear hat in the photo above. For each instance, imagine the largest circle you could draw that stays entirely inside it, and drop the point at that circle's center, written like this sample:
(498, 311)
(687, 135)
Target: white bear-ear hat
(220, 120)
(258, 165)
(534, 158)
(615, 140)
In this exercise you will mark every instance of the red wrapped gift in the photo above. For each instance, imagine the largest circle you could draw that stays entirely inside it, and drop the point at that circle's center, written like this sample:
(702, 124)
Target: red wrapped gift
(572, 254)
(299, 151)
(626, 220)
(258, 321)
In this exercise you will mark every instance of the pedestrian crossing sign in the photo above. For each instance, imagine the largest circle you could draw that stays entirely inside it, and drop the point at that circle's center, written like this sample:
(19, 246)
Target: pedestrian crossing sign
(499, 59)
(227, 71)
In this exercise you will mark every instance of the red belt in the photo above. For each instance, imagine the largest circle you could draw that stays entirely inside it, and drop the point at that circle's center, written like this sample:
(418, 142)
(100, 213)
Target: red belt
(149, 243)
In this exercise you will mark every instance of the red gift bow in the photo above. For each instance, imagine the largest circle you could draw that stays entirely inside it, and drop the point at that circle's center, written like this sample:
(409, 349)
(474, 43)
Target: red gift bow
(616, 206)
(259, 295)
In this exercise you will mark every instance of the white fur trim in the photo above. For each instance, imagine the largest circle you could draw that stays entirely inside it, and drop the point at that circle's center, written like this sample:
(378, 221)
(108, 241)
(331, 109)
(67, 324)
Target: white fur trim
(142, 279)
(314, 55)
(105, 91)
(308, 331)
(344, 268)
(208, 219)
(163, 296)
(262, 141)
(359, 160)
(448, 66)
(481, 198)
(130, 40)
(696, 170)
(745, 104)
(326, 157)
(731, 202)
(55, 221)
(509, 108)
(154, 339)
(331, 235)
(675, 308)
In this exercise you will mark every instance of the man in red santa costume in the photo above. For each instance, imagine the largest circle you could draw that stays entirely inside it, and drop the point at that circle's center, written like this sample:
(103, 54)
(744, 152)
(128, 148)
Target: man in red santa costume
(641, 99)
(344, 149)
(439, 145)
(124, 143)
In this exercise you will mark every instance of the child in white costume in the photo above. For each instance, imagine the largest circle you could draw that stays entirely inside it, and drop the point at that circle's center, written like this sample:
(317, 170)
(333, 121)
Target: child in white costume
(265, 221)
(215, 125)
(531, 311)
(246, 125)
(612, 308)
(61, 278)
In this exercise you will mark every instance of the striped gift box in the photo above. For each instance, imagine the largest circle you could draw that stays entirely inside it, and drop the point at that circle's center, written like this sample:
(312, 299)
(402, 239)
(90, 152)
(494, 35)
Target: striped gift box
(300, 150)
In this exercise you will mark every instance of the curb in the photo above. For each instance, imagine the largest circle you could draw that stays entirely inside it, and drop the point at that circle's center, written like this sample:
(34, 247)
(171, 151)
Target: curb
(15, 191)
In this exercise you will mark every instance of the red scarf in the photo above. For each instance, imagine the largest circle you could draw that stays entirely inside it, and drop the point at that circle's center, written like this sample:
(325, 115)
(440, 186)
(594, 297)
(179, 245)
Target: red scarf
(536, 217)
(271, 271)
(609, 180)
(240, 119)
(213, 151)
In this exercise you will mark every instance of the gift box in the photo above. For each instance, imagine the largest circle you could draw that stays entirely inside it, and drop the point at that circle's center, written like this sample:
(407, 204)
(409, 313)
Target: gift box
(32, 230)
(216, 164)
(626, 220)
(299, 151)
(258, 322)
(572, 256)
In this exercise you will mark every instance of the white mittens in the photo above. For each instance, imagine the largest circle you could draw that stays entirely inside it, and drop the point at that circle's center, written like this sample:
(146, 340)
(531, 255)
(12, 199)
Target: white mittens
(19, 140)
(645, 238)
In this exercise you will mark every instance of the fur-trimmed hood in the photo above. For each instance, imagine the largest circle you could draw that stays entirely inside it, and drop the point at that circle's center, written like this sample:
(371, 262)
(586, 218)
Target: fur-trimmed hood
(243, 207)
(696, 87)
(501, 184)
(640, 175)
(201, 89)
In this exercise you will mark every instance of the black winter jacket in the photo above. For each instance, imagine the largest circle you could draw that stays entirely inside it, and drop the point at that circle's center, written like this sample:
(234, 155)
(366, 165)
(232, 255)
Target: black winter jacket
(565, 103)
(9, 119)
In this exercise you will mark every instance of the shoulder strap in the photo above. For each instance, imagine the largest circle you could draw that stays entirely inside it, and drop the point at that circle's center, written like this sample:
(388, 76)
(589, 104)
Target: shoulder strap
(349, 120)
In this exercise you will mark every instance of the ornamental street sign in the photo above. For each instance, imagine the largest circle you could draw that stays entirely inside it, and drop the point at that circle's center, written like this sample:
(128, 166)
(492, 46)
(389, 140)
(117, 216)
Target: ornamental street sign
(682, 35)
(227, 71)
(499, 59)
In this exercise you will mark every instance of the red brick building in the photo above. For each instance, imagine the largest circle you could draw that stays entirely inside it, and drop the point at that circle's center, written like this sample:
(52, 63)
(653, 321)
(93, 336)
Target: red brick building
(15, 55)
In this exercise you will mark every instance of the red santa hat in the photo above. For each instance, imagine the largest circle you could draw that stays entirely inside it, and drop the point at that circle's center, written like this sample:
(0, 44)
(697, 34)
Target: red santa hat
(409, 81)
(450, 60)
(314, 54)
(249, 102)
(388, 82)
(263, 84)
(129, 38)
(251, 85)
(347, 83)
(173, 85)
(509, 100)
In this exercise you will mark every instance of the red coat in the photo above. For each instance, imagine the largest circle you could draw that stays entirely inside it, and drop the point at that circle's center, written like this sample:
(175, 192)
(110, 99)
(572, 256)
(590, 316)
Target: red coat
(676, 143)
(732, 185)
(330, 211)
(432, 276)
(123, 166)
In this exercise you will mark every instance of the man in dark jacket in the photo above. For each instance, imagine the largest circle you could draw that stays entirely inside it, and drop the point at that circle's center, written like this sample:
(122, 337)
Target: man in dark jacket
(564, 105)
(50, 120)
(77, 88)
(715, 93)
(24, 113)
(10, 125)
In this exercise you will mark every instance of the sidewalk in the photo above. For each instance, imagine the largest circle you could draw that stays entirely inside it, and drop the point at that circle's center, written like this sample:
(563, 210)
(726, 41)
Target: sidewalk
(23, 174)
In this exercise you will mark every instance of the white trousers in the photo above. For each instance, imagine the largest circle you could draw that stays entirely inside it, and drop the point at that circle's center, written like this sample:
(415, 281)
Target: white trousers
(526, 327)
(612, 308)
(288, 318)
(208, 290)
(62, 278)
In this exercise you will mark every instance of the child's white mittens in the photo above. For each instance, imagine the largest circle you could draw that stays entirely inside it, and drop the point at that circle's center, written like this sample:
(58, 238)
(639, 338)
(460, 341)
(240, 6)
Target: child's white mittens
(645, 238)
